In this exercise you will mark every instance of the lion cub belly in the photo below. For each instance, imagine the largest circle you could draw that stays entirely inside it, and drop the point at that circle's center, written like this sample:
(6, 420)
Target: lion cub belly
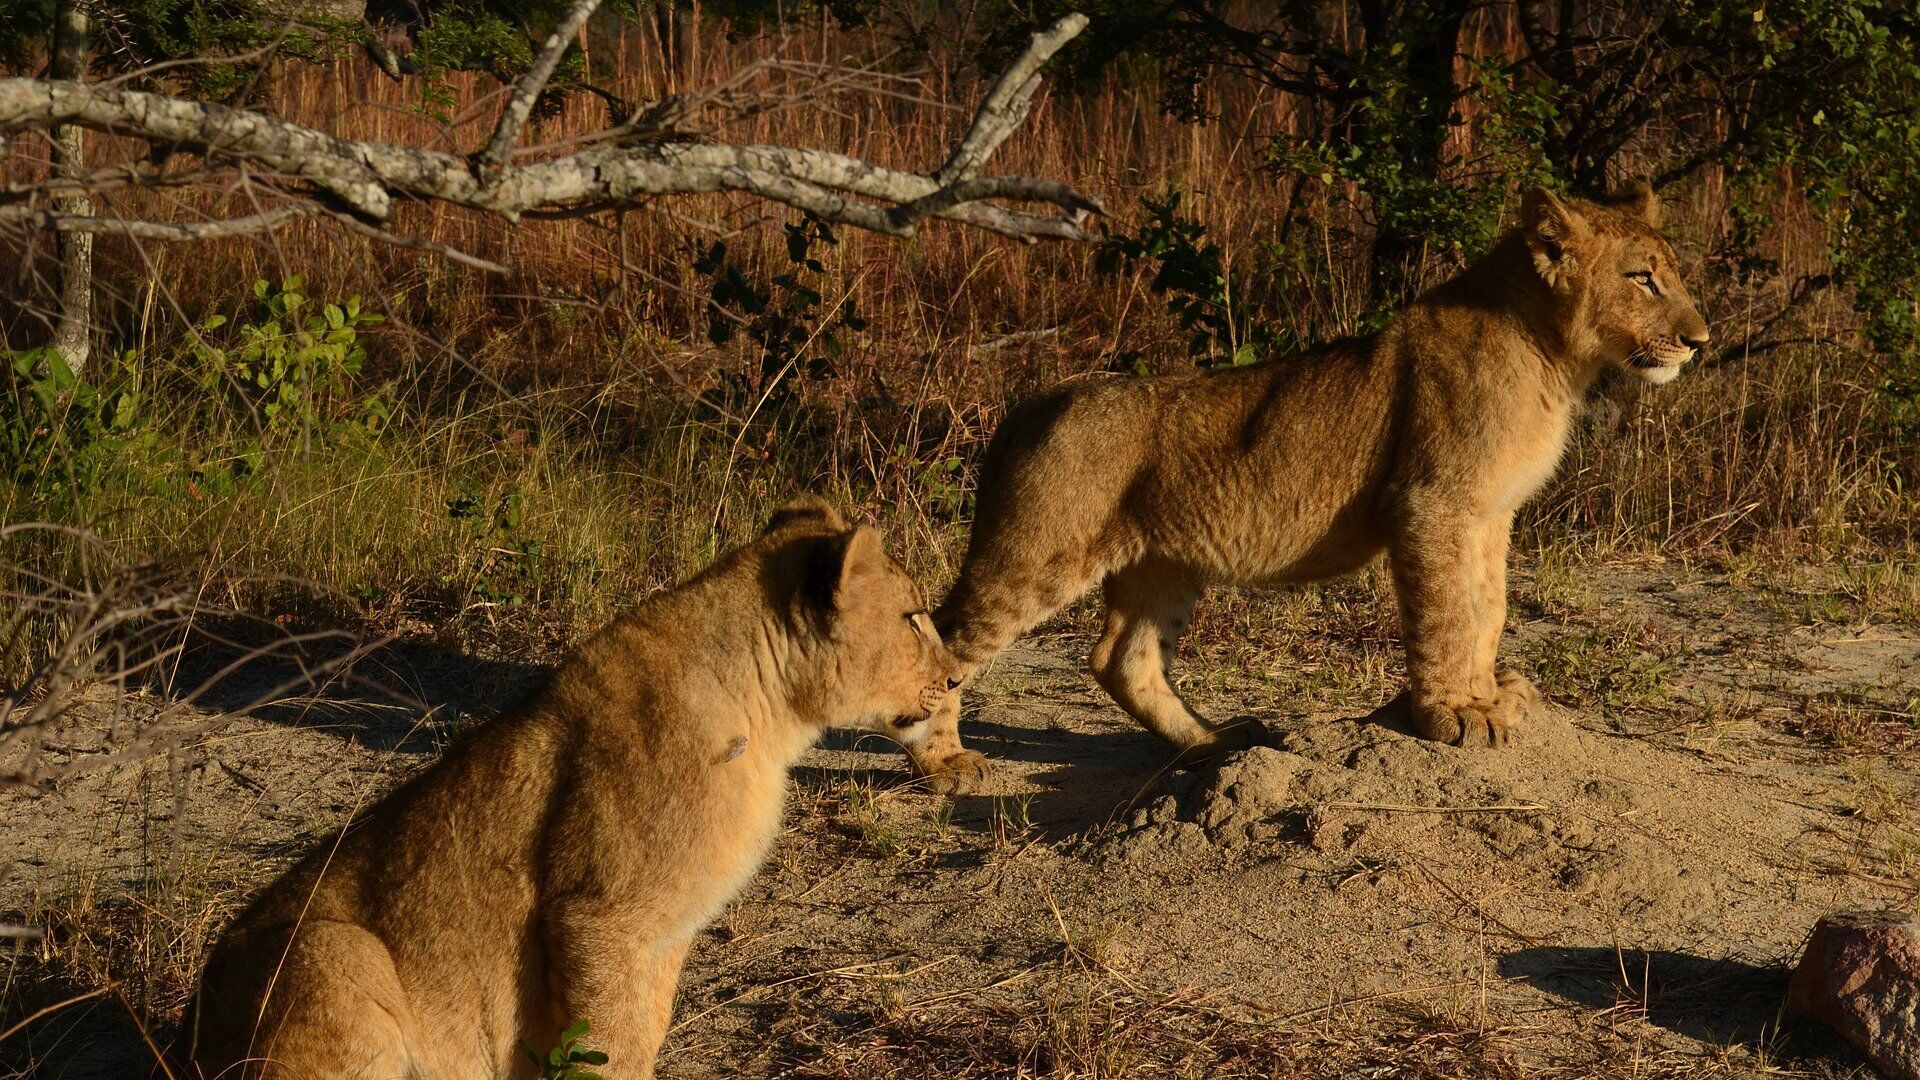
(1284, 529)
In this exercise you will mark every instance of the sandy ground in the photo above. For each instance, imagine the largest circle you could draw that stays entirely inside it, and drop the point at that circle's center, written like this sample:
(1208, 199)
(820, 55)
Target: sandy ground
(1616, 894)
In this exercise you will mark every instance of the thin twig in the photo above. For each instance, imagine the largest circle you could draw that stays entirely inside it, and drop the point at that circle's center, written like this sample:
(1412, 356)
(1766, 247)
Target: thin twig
(166, 231)
(527, 91)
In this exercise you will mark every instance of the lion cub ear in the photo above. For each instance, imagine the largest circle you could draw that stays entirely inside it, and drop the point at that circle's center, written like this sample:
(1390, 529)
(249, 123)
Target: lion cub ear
(863, 562)
(806, 508)
(1553, 230)
(841, 568)
(1640, 200)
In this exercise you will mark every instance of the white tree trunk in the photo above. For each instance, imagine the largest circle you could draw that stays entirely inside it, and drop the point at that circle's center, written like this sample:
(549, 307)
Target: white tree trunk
(73, 334)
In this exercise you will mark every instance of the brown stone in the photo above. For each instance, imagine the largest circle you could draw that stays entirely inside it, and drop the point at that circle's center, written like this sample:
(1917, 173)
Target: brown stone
(1861, 976)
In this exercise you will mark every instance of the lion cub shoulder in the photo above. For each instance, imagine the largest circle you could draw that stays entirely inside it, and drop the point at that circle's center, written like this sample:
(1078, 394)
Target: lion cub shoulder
(556, 864)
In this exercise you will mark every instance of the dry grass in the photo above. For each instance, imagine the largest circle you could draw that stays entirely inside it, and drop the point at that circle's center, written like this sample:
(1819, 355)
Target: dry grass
(1070, 1021)
(582, 388)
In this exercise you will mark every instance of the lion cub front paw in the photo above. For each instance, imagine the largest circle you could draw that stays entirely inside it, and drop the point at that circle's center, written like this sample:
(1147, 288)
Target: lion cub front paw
(1472, 723)
(1518, 698)
(958, 773)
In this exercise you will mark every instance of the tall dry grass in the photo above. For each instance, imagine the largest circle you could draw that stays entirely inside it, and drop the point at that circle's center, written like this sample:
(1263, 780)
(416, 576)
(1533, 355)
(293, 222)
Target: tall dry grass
(581, 388)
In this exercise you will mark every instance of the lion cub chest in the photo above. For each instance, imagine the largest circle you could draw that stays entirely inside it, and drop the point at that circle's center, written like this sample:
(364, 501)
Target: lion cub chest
(1517, 469)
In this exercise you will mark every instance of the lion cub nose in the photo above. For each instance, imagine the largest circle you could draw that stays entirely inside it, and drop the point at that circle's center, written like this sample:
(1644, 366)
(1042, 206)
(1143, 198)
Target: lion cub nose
(953, 683)
(1695, 341)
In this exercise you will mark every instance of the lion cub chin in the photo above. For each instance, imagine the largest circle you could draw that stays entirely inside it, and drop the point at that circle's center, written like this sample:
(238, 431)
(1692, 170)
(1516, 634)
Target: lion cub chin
(555, 866)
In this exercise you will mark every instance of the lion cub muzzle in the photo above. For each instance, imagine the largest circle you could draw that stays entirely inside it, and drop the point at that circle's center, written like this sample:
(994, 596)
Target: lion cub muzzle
(931, 698)
(1661, 359)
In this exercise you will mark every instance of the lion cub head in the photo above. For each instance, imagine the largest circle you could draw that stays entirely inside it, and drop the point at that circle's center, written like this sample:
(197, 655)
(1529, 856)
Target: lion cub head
(866, 652)
(1620, 276)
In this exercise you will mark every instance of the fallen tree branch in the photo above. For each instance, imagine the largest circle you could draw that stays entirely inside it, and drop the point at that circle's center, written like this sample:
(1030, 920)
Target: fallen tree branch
(1006, 105)
(361, 181)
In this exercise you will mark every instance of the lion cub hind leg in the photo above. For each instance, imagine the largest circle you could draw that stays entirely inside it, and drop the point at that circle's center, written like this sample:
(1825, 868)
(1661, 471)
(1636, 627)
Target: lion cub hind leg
(1147, 611)
(337, 1012)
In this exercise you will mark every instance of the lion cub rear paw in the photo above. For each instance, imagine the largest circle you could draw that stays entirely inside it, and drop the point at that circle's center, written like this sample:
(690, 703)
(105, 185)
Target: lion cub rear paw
(1240, 733)
(1474, 723)
(959, 773)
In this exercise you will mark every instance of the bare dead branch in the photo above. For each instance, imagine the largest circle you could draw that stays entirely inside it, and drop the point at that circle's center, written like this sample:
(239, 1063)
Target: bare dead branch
(1007, 103)
(169, 231)
(642, 157)
(992, 187)
(414, 243)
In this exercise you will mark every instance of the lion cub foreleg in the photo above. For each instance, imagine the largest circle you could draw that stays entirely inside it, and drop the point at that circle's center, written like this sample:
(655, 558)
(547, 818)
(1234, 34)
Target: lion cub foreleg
(1442, 577)
(612, 970)
(1512, 692)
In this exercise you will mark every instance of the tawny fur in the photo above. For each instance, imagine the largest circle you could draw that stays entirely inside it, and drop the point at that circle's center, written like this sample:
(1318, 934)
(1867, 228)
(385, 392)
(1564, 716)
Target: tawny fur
(1420, 441)
(554, 866)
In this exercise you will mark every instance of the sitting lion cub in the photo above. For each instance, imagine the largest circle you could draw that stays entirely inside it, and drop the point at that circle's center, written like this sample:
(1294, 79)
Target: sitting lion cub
(556, 865)
(1420, 441)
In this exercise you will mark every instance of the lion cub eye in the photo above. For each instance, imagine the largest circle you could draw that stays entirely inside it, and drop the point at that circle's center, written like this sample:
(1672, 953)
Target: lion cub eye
(1644, 279)
(919, 621)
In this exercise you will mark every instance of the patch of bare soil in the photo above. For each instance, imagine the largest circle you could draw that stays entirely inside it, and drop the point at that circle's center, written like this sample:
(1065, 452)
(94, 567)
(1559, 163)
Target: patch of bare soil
(1615, 894)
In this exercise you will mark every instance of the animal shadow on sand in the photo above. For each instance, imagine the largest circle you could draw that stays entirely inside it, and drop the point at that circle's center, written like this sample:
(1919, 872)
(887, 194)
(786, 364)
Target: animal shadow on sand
(1725, 1002)
(96, 1039)
(1087, 778)
(403, 695)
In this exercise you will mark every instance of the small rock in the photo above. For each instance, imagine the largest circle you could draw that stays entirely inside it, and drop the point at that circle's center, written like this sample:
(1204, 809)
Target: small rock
(1861, 977)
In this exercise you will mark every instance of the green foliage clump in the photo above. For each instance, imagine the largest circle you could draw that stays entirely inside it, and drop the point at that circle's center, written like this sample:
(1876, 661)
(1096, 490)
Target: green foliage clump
(284, 376)
(58, 430)
(786, 318)
(295, 368)
(1191, 273)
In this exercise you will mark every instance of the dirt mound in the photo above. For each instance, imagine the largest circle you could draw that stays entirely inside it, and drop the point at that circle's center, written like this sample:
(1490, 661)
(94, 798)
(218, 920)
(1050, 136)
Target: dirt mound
(1585, 812)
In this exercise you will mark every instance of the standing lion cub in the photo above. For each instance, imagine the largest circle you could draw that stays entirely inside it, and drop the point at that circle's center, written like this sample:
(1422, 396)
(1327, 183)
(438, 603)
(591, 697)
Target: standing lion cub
(556, 865)
(1421, 440)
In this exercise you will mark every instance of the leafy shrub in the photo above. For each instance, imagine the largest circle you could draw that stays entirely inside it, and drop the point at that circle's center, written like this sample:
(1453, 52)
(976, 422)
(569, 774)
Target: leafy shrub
(295, 369)
(59, 430)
